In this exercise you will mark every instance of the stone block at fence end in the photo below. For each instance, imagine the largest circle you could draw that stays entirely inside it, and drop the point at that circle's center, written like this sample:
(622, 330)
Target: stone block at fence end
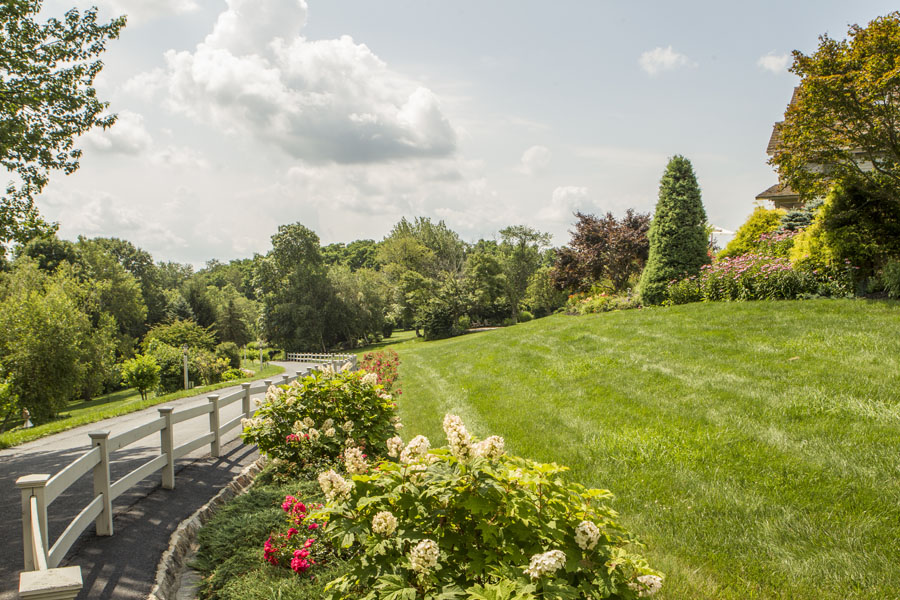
(53, 584)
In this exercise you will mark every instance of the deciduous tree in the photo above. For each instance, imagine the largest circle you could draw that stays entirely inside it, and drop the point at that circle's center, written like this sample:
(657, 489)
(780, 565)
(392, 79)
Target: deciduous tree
(845, 121)
(47, 99)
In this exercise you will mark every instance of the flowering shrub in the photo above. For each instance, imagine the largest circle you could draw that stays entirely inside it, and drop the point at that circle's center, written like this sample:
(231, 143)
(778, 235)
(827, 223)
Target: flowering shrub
(470, 521)
(756, 277)
(386, 366)
(598, 301)
(298, 548)
(777, 243)
(314, 419)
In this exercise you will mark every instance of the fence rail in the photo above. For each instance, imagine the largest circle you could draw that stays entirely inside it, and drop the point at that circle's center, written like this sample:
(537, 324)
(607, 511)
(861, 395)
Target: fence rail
(41, 578)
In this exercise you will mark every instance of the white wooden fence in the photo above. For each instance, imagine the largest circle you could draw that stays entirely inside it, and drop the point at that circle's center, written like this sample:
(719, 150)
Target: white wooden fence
(320, 358)
(41, 579)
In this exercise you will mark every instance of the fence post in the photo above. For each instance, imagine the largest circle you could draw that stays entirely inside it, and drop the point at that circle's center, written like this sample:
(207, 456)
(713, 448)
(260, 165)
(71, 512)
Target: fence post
(245, 401)
(268, 384)
(285, 379)
(167, 447)
(216, 444)
(59, 584)
(33, 485)
(104, 522)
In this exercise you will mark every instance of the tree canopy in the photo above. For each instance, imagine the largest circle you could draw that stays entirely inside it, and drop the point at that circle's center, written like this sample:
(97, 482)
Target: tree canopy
(844, 123)
(47, 99)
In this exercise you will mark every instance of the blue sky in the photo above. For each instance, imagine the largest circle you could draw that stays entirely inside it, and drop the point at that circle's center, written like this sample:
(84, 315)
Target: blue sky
(237, 116)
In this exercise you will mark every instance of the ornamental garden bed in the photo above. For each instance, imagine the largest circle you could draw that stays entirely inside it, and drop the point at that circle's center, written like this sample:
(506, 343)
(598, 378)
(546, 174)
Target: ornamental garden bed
(348, 509)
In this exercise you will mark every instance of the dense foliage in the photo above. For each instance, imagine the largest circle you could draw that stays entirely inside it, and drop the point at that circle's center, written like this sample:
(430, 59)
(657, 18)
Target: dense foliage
(678, 239)
(747, 238)
(853, 83)
(760, 277)
(603, 249)
(470, 521)
(314, 419)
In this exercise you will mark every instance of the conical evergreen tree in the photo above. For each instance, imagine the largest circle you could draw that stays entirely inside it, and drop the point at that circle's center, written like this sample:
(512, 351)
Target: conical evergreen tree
(678, 239)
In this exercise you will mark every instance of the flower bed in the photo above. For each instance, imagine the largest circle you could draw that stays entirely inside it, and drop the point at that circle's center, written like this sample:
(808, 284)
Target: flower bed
(471, 521)
(759, 277)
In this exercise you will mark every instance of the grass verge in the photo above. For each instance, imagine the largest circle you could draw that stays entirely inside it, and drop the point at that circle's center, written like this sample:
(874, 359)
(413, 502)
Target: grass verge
(112, 405)
(752, 446)
(231, 547)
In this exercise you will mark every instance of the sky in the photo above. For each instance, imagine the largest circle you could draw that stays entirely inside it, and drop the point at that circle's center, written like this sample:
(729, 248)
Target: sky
(237, 116)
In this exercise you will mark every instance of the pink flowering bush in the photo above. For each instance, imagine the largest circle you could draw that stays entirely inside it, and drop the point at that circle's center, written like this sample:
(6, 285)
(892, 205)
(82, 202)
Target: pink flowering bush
(311, 422)
(759, 277)
(386, 366)
(297, 548)
(470, 521)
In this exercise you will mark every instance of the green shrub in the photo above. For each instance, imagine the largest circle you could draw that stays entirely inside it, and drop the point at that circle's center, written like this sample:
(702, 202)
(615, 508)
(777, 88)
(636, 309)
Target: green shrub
(525, 316)
(464, 323)
(747, 239)
(142, 373)
(438, 320)
(678, 238)
(468, 521)
(387, 328)
(180, 333)
(232, 374)
(599, 300)
(890, 278)
(312, 420)
(230, 352)
(754, 277)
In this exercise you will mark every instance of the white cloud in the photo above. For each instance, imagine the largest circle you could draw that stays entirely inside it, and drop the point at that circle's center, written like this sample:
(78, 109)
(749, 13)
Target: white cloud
(535, 160)
(179, 157)
(564, 202)
(663, 59)
(127, 136)
(319, 101)
(776, 63)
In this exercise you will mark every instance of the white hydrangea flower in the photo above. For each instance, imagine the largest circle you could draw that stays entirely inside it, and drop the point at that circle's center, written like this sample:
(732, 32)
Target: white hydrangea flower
(334, 486)
(384, 523)
(385, 396)
(273, 393)
(328, 423)
(313, 434)
(647, 585)
(424, 556)
(308, 422)
(355, 462)
(491, 448)
(330, 432)
(416, 448)
(349, 442)
(457, 437)
(348, 426)
(394, 446)
(398, 426)
(548, 562)
(587, 535)
(370, 378)
(416, 473)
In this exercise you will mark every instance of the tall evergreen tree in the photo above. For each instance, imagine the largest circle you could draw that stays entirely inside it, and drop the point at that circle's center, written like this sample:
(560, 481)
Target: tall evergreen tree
(678, 239)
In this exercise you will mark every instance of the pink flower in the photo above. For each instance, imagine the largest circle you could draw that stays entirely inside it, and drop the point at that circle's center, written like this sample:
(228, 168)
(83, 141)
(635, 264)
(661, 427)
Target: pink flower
(291, 532)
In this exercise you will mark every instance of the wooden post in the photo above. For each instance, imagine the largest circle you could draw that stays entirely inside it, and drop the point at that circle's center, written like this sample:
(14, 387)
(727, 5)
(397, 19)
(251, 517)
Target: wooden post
(104, 522)
(245, 401)
(167, 447)
(56, 584)
(215, 445)
(33, 485)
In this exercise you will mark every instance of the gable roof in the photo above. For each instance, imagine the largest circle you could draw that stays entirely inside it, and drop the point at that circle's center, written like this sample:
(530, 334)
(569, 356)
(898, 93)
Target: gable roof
(775, 138)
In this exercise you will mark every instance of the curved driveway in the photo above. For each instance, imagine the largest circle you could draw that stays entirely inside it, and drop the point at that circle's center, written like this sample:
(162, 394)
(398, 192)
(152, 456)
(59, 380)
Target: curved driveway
(123, 565)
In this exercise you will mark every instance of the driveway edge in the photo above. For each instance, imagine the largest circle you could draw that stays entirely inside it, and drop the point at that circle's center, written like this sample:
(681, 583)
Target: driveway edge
(172, 563)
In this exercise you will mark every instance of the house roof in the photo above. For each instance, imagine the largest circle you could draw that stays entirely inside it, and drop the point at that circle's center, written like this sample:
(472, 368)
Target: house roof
(778, 192)
(775, 138)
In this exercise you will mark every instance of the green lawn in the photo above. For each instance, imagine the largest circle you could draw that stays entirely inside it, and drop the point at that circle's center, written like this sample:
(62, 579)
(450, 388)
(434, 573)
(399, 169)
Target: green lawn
(117, 403)
(754, 447)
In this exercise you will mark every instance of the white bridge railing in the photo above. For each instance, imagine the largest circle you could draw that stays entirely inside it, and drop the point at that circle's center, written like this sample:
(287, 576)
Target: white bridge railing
(41, 579)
